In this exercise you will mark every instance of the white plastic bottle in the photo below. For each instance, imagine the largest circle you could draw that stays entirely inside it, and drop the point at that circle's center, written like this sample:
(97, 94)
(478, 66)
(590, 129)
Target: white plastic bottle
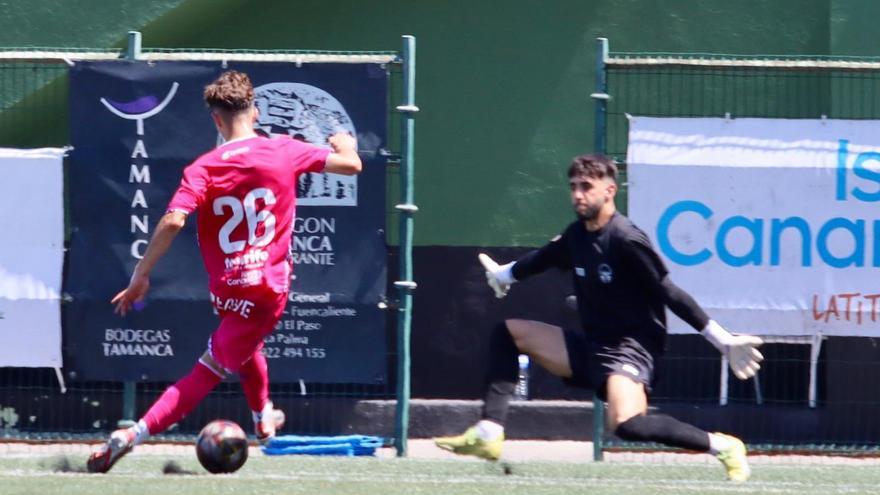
(522, 382)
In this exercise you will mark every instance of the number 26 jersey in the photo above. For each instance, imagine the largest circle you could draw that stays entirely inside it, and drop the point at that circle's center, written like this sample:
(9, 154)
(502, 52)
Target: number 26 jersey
(244, 192)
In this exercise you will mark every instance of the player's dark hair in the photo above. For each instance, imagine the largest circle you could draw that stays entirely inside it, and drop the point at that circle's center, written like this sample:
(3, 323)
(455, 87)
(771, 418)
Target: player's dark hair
(593, 166)
(231, 93)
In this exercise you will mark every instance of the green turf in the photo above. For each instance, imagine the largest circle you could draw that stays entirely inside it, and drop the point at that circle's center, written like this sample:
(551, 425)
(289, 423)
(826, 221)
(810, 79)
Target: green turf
(142, 475)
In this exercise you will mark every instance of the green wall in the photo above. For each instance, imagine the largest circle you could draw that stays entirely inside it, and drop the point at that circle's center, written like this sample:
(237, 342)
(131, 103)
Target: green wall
(503, 85)
(76, 23)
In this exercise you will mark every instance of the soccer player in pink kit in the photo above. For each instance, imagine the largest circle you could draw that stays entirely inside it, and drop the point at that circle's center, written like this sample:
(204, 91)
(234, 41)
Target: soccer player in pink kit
(245, 194)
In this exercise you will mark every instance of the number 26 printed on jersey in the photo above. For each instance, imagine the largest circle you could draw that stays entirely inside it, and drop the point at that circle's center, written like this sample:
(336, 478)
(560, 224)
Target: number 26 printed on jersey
(246, 209)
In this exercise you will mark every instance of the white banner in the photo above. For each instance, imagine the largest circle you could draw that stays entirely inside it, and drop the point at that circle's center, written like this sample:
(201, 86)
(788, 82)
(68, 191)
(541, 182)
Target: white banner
(31, 257)
(772, 225)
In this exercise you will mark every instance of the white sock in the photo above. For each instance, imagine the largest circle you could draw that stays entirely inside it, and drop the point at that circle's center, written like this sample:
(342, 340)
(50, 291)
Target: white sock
(141, 432)
(267, 409)
(489, 430)
(718, 443)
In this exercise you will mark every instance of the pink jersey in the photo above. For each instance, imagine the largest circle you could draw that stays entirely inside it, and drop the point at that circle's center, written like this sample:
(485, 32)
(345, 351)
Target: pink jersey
(245, 195)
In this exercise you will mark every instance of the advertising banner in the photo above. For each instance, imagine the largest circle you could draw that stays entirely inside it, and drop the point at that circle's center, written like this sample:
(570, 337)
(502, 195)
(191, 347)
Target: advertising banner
(134, 127)
(771, 224)
(31, 257)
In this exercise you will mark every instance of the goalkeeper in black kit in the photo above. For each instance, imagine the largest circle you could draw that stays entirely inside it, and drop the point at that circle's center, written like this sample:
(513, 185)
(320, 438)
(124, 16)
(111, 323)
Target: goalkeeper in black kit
(623, 290)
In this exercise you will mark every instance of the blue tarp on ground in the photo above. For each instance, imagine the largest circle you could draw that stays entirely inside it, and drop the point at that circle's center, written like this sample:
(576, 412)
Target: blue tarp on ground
(348, 445)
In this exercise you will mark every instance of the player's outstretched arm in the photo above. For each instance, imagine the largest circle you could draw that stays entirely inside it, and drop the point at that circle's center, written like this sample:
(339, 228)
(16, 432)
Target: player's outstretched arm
(169, 226)
(499, 277)
(741, 350)
(344, 158)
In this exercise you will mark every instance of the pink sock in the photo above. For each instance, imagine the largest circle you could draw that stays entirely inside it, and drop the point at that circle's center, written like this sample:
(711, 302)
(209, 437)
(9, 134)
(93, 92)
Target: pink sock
(254, 376)
(181, 398)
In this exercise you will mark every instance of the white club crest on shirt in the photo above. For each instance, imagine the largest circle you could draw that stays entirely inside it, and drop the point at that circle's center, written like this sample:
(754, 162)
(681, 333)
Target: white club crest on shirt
(605, 273)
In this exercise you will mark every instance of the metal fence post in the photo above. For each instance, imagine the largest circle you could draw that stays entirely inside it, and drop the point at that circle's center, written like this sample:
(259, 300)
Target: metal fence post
(405, 285)
(600, 96)
(133, 50)
(598, 428)
(129, 388)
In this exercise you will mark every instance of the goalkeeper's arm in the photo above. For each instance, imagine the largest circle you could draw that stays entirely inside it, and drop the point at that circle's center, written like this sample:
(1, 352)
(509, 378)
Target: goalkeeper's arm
(683, 305)
(740, 350)
(501, 277)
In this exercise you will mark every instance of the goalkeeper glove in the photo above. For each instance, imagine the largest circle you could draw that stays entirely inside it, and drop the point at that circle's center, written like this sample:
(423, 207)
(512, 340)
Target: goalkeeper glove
(499, 277)
(740, 350)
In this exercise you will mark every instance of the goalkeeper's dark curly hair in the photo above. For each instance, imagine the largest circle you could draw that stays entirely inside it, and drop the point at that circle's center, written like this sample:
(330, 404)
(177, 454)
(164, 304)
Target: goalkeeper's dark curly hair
(593, 166)
(231, 93)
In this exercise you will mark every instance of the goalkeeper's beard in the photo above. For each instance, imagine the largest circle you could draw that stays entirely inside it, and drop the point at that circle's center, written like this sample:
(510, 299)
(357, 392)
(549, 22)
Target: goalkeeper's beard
(587, 212)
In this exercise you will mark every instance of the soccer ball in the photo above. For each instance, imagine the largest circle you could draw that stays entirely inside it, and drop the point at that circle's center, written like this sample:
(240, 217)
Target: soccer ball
(222, 446)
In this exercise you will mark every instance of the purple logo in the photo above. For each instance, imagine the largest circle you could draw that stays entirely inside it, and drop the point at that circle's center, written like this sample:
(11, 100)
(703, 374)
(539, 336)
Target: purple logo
(141, 108)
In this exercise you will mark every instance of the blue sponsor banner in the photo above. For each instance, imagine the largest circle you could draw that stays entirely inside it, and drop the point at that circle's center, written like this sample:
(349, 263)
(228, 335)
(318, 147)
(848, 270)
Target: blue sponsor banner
(134, 127)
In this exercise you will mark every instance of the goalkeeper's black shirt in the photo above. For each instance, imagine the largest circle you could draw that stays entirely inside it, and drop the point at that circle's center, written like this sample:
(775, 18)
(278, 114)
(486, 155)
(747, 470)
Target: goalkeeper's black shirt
(620, 282)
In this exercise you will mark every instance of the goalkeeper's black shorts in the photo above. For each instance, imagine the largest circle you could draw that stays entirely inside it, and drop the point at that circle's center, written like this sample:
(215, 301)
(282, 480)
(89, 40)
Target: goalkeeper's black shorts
(592, 362)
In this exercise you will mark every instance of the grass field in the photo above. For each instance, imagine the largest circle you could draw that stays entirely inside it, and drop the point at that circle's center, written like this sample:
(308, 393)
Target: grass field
(143, 475)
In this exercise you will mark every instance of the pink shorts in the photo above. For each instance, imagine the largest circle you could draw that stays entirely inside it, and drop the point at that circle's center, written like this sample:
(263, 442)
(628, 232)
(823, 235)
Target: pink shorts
(244, 325)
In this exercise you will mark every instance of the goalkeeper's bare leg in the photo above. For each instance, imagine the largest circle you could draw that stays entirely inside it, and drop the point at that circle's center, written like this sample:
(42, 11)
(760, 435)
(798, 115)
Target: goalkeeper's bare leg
(548, 346)
(628, 418)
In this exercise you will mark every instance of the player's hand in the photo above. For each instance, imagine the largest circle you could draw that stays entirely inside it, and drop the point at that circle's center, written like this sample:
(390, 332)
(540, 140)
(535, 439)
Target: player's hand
(342, 141)
(499, 277)
(134, 293)
(741, 350)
